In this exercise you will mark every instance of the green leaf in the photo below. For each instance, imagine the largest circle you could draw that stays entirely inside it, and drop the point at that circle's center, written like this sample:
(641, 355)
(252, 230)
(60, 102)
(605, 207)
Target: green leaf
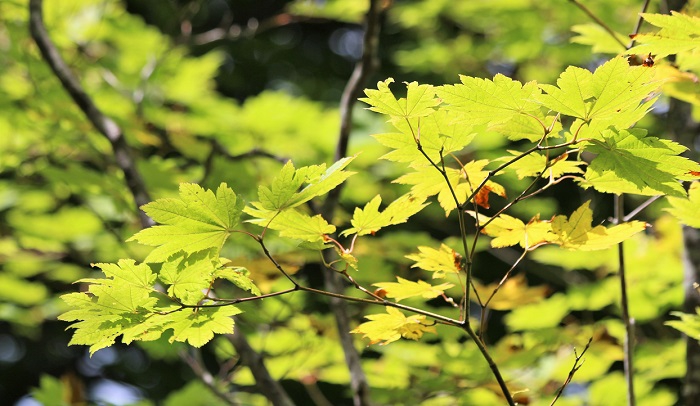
(679, 33)
(630, 162)
(439, 261)
(577, 233)
(197, 327)
(614, 88)
(291, 223)
(420, 100)
(438, 133)
(687, 210)
(239, 276)
(428, 181)
(503, 104)
(370, 220)
(534, 164)
(188, 275)
(284, 192)
(391, 326)
(404, 289)
(197, 221)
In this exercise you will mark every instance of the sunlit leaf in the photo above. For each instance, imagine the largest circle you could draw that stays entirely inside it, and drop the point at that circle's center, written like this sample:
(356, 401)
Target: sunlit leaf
(439, 261)
(196, 221)
(631, 162)
(534, 164)
(613, 88)
(687, 210)
(389, 327)
(291, 223)
(284, 191)
(370, 220)
(678, 33)
(404, 289)
(508, 231)
(577, 232)
(420, 100)
(188, 275)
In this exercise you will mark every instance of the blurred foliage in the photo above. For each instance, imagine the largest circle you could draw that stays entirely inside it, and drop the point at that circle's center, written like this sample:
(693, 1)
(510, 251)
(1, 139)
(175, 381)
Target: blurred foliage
(213, 91)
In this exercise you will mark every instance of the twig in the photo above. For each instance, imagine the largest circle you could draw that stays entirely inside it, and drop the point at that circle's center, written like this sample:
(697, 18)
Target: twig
(105, 125)
(578, 362)
(637, 27)
(641, 207)
(624, 304)
(598, 21)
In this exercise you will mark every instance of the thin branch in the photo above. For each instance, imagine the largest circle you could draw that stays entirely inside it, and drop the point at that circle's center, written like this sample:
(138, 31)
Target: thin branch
(105, 125)
(624, 304)
(639, 208)
(578, 362)
(598, 21)
(637, 27)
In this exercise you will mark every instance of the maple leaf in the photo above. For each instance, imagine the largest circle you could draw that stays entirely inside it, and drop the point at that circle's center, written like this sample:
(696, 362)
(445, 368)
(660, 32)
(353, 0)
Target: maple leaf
(197, 327)
(284, 193)
(427, 181)
(420, 100)
(534, 163)
(237, 275)
(437, 133)
(188, 275)
(389, 327)
(630, 162)
(125, 298)
(679, 33)
(577, 233)
(508, 231)
(502, 104)
(613, 89)
(197, 221)
(404, 289)
(687, 210)
(370, 220)
(439, 261)
(291, 223)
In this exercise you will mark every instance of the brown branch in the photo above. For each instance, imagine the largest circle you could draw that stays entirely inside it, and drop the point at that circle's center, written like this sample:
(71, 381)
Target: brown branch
(637, 27)
(333, 282)
(197, 366)
(105, 125)
(266, 384)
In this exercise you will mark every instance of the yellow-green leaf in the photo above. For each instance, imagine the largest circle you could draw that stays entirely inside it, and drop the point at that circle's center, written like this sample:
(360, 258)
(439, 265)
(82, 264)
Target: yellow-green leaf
(419, 102)
(577, 233)
(508, 231)
(687, 210)
(389, 327)
(404, 289)
(439, 261)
